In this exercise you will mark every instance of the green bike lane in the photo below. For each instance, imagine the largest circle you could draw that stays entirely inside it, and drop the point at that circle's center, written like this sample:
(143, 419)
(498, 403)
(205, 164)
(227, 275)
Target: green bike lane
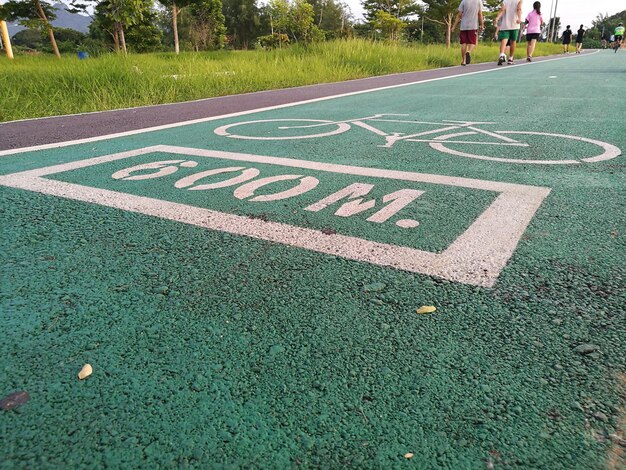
(244, 324)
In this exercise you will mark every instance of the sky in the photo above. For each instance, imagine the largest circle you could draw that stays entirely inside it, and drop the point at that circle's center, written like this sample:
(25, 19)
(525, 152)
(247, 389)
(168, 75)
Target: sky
(572, 12)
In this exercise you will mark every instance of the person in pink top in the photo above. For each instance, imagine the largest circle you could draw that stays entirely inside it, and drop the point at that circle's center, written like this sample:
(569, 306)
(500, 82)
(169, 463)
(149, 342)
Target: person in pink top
(532, 25)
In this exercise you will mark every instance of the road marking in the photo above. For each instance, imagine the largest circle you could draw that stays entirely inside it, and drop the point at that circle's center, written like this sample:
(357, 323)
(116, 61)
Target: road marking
(476, 257)
(608, 151)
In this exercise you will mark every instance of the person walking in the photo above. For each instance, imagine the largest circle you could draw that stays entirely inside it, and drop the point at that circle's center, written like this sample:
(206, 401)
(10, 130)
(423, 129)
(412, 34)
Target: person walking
(532, 25)
(511, 14)
(495, 38)
(579, 39)
(470, 15)
(618, 37)
(567, 39)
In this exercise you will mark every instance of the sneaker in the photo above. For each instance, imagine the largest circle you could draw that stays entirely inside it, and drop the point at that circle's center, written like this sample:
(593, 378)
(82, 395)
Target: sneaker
(501, 59)
(468, 58)
(510, 62)
(529, 59)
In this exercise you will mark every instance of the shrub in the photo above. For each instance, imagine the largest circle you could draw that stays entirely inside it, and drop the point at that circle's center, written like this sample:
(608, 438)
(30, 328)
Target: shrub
(94, 47)
(592, 43)
(272, 41)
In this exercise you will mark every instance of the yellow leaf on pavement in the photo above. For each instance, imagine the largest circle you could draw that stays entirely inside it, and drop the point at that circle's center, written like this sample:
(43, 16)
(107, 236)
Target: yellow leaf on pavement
(426, 309)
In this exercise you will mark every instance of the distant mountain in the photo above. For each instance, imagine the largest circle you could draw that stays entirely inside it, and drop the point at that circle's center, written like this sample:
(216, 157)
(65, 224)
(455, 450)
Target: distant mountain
(64, 19)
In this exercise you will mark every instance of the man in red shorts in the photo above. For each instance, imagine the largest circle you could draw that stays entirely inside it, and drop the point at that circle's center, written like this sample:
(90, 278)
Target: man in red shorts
(471, 17)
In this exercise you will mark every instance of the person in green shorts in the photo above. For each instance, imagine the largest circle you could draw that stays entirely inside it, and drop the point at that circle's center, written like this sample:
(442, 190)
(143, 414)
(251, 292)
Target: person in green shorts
(510, 13)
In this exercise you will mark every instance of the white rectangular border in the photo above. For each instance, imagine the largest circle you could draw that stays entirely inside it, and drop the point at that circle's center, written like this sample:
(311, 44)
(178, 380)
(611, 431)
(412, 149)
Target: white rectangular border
(476, 257)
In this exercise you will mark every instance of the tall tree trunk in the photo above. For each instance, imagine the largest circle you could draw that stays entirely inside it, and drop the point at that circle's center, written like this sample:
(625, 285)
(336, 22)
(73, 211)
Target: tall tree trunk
(116, 40)
(118, 37)
(448, 21)
(5, 41)
(123, 40)
(53, 42)
(42, 16)
(175, 27)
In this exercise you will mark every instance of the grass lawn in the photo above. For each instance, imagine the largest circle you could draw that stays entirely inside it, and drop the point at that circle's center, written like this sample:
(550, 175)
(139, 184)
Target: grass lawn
(38, 86)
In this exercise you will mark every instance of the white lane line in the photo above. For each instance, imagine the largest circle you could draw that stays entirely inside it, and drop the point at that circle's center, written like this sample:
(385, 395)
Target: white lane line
(4, 153)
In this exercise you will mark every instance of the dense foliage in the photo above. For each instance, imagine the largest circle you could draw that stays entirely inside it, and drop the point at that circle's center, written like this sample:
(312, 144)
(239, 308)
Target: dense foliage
(604, 25)
(68, 40)
(202, 25)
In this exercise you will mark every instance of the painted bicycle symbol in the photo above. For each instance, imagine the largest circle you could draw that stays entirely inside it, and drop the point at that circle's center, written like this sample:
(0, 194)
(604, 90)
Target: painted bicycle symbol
(451, 137)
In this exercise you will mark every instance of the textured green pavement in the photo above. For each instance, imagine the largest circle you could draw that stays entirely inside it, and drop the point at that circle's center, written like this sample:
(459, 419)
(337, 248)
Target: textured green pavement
(216, 350)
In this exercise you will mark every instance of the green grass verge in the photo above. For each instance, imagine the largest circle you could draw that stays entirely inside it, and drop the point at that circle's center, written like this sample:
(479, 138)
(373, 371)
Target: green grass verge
(43, 86)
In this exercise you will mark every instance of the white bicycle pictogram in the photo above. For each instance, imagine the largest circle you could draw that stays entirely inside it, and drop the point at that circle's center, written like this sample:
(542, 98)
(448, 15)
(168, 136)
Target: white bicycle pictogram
(450, 133)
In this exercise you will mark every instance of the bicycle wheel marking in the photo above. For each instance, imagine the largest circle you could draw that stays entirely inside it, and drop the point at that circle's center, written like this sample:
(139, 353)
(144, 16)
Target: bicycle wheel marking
(341, 127)
(610, 151)
(476, 257)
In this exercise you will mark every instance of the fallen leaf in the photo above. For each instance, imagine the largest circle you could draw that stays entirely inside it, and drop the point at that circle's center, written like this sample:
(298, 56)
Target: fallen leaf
(426, 309)
(85, 372)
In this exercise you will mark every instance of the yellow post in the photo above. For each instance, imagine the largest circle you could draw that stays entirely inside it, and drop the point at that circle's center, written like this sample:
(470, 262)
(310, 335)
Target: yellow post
(6, 40)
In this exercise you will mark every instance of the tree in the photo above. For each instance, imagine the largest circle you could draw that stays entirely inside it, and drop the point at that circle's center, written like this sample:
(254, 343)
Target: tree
(145, 36)
(401, 9)
(289, 20)
(110, 29)
(443, 12)
(605, 24)
(554, 26)
(125, 13)
(175, 7)
(242, 21)
(29, 38)
(35, 14)
(425, 31)
(332, 17)
(492, 8)
(102, 27)
(68, 40)
(207, 25)
(599, 26)
(117, 15)
(279, 16)
(389, 25)
(302, 22)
